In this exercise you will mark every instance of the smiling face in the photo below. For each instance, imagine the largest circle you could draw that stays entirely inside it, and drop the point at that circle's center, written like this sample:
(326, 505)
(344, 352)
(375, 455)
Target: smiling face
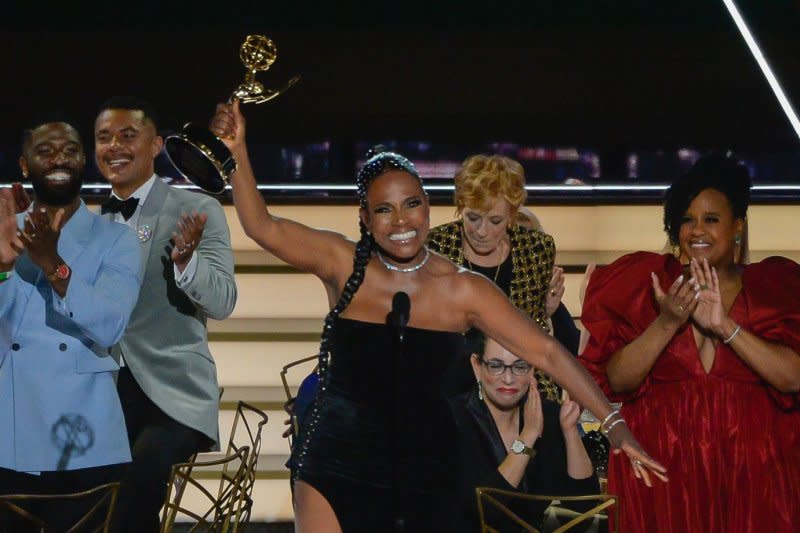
(53, 159)
(505, 390)
(126, 144)
(708, 229)
(484, 230)
(398, 216)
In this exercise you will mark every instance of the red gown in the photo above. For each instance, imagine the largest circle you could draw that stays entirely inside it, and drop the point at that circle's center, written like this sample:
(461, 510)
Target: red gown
(730, 441)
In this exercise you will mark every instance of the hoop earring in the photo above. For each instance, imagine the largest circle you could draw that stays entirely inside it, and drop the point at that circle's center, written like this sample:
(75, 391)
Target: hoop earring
(480, 390)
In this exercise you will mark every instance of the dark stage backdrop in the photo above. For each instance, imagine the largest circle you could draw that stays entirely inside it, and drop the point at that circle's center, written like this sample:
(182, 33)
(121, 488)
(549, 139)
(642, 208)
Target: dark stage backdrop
(592, 91)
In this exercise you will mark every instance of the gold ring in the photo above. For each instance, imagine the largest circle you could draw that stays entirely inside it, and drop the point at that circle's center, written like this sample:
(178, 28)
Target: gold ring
(681, 308)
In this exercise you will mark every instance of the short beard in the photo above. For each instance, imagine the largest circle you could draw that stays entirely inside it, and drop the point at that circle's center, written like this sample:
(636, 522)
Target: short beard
(56, 196)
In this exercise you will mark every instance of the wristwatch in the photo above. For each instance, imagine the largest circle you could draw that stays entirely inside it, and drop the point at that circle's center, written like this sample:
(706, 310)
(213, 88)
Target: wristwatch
(519, 447)
(61, 273)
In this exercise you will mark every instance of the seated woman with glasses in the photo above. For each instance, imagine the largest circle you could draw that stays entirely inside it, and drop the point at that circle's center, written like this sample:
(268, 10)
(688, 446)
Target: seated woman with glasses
(512, 438)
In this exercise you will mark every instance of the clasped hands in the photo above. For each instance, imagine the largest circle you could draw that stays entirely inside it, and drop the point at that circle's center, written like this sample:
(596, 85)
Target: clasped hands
(698, 298)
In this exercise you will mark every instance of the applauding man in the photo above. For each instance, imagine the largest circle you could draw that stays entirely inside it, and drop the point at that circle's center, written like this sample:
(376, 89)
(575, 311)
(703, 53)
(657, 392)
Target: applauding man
(69, 281)
(168, 381)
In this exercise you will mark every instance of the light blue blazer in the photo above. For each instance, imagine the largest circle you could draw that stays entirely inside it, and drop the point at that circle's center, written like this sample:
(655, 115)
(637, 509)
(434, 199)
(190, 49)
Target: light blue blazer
(57, 386)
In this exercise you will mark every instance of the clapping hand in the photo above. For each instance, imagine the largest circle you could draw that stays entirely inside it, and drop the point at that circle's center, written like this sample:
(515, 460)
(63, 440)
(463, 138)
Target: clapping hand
(10, 243)
(555, 291)
(709, 313)
(680, 300)
(186, 238)
(569, 413)
(533, 419)
(40, 237)
(17, 197)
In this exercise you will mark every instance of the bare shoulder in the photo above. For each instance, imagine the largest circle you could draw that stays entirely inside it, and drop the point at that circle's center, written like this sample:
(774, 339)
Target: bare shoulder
(458, 282)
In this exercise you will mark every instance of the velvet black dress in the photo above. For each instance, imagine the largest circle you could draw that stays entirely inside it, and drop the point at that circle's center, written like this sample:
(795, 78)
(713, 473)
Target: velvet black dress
(379, 441)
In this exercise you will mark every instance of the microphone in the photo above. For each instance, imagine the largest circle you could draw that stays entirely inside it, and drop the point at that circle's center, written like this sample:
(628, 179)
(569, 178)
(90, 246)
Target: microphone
(401, 311)
(73, 435)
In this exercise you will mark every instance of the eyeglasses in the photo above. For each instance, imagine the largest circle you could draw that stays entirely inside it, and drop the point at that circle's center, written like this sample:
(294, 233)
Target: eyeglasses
(518, 368)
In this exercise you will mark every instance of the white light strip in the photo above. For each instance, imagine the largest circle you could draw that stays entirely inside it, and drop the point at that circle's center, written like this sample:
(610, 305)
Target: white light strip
(319, 187)
(765, 68)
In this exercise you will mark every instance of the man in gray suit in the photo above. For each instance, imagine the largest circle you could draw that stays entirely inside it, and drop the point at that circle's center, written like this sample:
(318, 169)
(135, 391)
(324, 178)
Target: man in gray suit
(168, 380)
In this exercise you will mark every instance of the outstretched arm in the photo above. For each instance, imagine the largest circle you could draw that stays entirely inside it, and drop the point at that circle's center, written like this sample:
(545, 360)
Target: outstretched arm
(324, 253)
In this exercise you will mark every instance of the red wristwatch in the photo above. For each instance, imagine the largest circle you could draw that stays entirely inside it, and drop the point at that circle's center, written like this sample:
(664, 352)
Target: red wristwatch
(61, 273)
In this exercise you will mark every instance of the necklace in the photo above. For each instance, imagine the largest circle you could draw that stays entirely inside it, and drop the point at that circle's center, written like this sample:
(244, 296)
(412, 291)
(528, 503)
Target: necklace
(469, 263)
(405, 270)
(496, 272)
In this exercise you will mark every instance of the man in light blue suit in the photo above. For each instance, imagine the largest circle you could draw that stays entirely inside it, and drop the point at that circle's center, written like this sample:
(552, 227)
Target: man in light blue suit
(69, 281)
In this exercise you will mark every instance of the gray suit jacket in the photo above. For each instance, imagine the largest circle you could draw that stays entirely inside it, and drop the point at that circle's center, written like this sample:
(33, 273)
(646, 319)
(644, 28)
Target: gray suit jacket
(166, 342)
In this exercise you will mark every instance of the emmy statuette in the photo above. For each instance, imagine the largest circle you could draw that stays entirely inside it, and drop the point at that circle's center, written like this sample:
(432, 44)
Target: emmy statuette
(201, 156)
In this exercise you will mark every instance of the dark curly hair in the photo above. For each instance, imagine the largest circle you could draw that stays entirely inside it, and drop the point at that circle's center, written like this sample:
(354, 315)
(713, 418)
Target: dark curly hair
(378, 162)
(721, 173)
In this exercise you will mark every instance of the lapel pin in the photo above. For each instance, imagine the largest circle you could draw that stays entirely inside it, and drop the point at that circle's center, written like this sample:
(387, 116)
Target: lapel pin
(144, 233)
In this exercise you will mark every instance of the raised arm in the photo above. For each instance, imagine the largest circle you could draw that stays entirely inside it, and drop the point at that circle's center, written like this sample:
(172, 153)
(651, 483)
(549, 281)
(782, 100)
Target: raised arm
(490, 311)
(327, 254)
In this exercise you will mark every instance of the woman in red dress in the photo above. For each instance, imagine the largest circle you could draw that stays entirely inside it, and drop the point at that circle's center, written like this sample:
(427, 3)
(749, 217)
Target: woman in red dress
(705, 359)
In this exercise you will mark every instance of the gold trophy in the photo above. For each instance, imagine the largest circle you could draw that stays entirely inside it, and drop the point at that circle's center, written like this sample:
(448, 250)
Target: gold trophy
(199, 155)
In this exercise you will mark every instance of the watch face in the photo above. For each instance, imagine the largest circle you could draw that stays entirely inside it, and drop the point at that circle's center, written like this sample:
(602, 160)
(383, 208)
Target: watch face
(517, 446)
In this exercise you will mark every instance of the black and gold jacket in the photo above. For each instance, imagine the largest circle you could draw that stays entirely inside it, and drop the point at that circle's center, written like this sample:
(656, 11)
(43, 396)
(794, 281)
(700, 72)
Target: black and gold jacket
(532, 257)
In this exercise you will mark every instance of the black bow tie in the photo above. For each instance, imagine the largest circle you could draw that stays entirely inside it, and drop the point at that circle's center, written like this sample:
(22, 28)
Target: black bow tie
(125, 207)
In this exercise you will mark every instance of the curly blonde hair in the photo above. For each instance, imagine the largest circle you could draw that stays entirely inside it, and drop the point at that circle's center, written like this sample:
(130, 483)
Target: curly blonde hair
(483, 178)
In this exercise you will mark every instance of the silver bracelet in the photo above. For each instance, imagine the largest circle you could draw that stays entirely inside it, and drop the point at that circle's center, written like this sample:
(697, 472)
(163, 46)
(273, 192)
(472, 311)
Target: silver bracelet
(733, 335)
(608, 417)
(606, 431)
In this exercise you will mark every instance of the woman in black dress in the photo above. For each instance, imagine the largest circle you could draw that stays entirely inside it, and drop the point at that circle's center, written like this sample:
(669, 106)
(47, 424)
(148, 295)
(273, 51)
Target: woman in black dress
(377, 450)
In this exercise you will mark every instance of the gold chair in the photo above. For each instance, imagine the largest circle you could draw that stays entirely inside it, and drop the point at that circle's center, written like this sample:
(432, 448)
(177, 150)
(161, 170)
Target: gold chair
(246, 433)
(218, 512)
(489, 498)
(105, 496)
(290, 397)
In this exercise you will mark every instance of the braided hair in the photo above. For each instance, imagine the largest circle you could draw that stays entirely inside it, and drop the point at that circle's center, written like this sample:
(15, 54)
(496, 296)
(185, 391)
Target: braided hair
(379, 161)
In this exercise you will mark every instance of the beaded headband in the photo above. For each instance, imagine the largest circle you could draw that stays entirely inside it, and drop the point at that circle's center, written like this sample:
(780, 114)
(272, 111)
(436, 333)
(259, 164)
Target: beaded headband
(377, 163)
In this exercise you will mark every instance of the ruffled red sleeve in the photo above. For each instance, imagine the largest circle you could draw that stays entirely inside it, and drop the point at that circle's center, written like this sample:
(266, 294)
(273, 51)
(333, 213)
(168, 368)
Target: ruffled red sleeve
(771, 294)
(619, 305)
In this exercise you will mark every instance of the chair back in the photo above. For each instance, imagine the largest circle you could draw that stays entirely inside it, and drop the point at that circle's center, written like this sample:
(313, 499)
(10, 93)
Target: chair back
(217, 512)
(290, 396)
(97, 518)
(493, 501)
(248, 425)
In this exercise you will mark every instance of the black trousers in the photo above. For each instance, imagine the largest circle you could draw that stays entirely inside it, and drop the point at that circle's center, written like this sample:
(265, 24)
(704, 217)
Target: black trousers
(59, 515)
(157, 442)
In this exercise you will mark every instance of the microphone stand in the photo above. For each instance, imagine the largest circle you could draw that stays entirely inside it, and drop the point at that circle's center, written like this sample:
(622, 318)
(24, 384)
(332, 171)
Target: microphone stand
(397, 320)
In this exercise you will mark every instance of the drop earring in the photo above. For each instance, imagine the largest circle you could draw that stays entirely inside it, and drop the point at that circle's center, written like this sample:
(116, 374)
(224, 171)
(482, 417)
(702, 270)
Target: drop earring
(480, 390)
